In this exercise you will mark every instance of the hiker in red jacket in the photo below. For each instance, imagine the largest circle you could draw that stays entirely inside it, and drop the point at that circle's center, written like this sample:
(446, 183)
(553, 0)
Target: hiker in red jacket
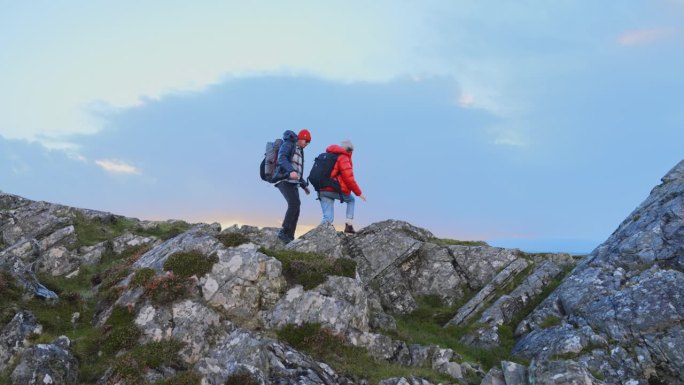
(343, 172)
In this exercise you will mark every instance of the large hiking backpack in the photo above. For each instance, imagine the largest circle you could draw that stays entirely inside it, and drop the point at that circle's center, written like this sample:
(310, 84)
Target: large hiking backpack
(319, 177)
(270, 161)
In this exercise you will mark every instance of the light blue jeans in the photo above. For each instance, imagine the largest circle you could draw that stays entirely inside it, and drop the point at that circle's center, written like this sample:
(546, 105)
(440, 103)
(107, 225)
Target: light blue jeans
(327, 199)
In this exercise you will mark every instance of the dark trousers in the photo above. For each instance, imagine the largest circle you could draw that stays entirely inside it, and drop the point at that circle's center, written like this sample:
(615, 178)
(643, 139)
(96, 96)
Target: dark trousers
(290, 192)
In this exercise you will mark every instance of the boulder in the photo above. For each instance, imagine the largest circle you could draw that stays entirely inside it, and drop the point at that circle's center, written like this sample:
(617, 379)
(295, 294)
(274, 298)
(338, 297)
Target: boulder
(47, 364)
(243, 282)
(180, 322)
(323, 239)
(267, 361)
(622, 307)
(339, 303)
(200, 237)
(13, 337)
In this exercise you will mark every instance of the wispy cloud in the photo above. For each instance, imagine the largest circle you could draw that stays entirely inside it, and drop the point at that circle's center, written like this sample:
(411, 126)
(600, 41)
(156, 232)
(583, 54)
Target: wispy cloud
(117, 167)
(466, 100)
(644, 36)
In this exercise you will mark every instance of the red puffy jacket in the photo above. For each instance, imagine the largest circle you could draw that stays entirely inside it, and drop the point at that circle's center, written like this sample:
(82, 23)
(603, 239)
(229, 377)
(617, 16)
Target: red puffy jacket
(343, 171)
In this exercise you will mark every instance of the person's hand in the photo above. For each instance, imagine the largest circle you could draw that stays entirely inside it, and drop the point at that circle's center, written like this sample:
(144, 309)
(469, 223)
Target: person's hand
(294, 175)
(363, 197)
(306, 190)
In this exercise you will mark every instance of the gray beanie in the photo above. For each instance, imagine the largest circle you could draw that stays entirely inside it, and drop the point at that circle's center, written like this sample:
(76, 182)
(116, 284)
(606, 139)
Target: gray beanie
(347, 145)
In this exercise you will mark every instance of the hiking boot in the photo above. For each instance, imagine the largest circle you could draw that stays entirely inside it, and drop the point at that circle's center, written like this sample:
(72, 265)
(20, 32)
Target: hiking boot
(284, 237)
(349, 229)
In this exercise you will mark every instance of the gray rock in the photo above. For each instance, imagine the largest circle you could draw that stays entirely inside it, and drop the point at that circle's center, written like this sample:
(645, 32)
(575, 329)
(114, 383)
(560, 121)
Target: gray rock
(200, 237)
(339, 304)
(514, 374)
(13, 337)
(323, 239)
(399, 263)
(266, 360)
(627, 295)
(180, 322)
(128, 240)
(47, 364)
(494, 377)
(57, 261)
(564, 372)
(243, 283)
(482, 298)
(266, 237)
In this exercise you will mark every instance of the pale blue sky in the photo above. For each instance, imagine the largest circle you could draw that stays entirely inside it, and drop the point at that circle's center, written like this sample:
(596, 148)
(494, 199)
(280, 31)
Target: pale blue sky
(537, 124)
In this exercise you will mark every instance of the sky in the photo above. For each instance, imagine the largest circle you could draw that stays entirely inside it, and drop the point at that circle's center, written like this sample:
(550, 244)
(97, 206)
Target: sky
(538, 125)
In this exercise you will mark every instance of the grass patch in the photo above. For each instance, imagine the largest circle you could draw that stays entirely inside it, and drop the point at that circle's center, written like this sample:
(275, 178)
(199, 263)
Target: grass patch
(233, 239)
(189, 263)
(10, 293)
(425, 327)
(454, 242)
(163, 230)
(130, 367)
(310, 269)
(326, 346)
(91, 231)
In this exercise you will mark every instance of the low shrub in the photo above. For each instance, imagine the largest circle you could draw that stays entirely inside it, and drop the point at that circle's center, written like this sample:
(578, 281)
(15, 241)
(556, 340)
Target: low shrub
(189, 263)
(233, 239)
(242, 379)
(142, 277)
(168, 288)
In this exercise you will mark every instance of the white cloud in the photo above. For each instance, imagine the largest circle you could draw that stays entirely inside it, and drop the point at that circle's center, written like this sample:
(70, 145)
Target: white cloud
(117, 167)
(645, 36)
(466, 100)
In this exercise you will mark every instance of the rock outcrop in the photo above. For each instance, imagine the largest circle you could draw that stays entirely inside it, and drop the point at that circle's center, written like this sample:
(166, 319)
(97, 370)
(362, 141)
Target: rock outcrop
(622, 308)
(613, 317)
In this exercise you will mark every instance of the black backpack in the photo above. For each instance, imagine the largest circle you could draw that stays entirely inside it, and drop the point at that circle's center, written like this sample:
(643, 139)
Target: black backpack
(319, 177)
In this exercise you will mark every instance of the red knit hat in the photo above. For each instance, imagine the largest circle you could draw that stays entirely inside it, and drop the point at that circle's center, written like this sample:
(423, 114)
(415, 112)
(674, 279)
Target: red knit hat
(304, 135)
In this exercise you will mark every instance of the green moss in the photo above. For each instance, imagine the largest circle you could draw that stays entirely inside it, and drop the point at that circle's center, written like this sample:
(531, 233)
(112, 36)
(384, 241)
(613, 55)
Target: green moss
(598, 375)
(454, 242)
(187, 378)
(142, 277)
(550, 321)
(187, 264)
(233, 239)
(168, 288)
(242, 379)
(10, 295)
(311, 269)
(326, 346)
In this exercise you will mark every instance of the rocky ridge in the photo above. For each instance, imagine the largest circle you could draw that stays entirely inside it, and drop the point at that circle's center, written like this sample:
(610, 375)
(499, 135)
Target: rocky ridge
(90, 297)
